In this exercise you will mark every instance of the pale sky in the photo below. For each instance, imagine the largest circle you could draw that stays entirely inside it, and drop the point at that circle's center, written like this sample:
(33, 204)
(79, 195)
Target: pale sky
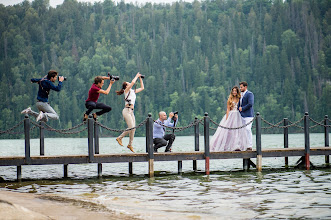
(54, 3)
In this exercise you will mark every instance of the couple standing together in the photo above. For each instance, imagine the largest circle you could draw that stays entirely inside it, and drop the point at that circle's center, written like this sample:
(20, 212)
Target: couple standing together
(239, 112)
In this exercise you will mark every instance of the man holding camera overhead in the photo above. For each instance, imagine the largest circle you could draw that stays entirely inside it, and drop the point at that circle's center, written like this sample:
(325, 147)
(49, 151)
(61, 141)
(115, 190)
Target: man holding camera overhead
(161, 139)
(93, 96)
(45, 85)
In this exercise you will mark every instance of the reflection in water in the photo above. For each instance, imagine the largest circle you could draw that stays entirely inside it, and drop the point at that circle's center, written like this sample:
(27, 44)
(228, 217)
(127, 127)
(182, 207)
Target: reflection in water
(243, 195)
(232, 193)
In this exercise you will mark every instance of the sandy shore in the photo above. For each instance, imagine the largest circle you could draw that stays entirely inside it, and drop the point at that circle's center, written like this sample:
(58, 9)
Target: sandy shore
(14, 205)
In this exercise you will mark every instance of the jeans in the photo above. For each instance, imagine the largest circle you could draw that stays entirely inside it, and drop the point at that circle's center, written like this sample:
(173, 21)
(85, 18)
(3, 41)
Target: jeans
(90, 105)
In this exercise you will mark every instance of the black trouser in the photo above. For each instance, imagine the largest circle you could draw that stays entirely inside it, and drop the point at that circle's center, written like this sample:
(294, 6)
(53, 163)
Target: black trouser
(167, 140)
(90, 105)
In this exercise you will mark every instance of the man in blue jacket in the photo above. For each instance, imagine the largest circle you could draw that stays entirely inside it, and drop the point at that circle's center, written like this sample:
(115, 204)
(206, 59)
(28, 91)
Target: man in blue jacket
(45, 85)
(161, 139)
(246, 110)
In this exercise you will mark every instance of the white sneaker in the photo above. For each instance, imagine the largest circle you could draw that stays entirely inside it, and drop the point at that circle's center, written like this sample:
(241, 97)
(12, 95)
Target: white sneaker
(40, 116)
(26, 111)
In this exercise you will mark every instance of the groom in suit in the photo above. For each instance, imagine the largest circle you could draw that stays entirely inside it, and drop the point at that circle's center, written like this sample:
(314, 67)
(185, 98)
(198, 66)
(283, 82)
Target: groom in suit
(246, 110)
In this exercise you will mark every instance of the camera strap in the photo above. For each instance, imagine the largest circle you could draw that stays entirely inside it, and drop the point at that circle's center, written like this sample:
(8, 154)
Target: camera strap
(39, 82)
(126, 99)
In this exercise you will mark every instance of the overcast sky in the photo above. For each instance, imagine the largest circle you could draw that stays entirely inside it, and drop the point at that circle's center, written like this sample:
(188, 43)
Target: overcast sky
(54, 3)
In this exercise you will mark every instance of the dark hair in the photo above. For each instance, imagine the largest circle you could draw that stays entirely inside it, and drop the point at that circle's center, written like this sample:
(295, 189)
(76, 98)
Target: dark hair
(124, 85)
(51, 73)
(98, 79)
(243, 83)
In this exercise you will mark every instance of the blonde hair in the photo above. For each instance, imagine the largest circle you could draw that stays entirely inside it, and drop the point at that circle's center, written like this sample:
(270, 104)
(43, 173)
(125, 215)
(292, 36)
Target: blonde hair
(232, 98)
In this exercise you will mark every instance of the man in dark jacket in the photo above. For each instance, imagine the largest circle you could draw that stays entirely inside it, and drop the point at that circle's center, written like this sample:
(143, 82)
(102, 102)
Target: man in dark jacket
(45, 85)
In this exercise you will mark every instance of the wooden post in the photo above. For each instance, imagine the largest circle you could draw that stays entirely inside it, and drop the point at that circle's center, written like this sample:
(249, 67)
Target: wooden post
(130, 168)
(96, 147)
(286, 139)
(19, 173)
(90, 139)
(180, 167)
(258, 143)
(326, 138)
(206, 137)
(99, 170)
(27, 139)
(307, 142)
(96, 137)
(42, 138)
(196, 142)
(65, 170)
(149, 145)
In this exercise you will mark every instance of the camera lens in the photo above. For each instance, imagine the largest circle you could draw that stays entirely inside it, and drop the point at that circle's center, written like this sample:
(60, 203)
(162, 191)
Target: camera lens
(142, 76)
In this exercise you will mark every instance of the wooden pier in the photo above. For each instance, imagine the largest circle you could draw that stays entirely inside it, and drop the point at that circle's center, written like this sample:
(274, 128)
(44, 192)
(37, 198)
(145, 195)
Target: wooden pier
(150, 157)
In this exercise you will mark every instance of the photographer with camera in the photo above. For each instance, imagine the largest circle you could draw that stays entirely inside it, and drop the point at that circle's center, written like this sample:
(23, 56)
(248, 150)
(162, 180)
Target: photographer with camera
(161, 139)
(128, 114)
(45, 85)
(93, 96)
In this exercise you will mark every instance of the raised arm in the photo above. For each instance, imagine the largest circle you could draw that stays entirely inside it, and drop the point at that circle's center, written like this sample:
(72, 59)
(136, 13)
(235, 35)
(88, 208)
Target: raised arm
(106, 92)
(129, 86)
(141, 86)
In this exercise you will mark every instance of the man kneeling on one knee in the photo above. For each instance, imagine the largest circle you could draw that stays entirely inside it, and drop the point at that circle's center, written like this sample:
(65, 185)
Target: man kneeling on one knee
(161, 139)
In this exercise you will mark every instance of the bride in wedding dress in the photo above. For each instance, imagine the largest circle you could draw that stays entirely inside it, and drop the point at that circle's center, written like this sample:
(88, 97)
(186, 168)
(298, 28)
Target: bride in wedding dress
(230, 139)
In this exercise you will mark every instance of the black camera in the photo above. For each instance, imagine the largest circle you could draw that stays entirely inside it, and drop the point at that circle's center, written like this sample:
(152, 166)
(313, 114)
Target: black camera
(111, 77)
(64, 78)
(176, 113)
(142, 76)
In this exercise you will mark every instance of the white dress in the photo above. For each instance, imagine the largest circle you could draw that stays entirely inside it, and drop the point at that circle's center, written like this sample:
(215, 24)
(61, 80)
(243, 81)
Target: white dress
(230, 140)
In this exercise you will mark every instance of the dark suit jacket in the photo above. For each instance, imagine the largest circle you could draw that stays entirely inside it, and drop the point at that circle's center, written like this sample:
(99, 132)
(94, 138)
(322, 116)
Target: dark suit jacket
(247, 105)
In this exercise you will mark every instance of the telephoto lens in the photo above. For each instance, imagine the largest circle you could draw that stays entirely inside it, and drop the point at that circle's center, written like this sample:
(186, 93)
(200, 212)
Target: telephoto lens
(142, 76)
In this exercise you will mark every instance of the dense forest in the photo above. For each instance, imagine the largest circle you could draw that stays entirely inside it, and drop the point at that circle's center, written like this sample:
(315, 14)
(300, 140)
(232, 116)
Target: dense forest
(191, 53)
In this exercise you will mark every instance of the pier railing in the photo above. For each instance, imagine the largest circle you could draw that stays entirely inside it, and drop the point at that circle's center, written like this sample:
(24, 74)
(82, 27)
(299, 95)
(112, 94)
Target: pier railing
(93, 128)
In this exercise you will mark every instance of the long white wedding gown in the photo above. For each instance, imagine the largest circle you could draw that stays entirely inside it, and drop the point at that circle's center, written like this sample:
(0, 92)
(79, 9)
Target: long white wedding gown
(230, 140)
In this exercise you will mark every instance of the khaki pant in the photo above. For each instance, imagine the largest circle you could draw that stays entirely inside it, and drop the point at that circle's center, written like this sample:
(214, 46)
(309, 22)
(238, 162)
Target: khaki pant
(130, 120)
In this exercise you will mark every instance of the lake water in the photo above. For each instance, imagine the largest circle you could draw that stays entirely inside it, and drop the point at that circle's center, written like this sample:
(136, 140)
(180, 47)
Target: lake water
(227, 193)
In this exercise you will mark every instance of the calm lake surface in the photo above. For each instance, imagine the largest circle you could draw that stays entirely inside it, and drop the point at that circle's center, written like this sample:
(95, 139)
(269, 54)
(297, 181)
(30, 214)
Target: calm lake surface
(228, 193)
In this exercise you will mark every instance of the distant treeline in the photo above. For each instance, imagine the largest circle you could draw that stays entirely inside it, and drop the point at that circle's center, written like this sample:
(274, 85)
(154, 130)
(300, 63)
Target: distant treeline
(191, 53)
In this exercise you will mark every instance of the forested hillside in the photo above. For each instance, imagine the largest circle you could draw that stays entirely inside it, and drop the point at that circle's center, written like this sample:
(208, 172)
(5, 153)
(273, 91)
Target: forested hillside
(191, 53)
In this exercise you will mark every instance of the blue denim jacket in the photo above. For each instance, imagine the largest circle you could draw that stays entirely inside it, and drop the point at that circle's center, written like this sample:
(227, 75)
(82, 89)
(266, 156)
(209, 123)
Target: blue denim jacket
(45, 86)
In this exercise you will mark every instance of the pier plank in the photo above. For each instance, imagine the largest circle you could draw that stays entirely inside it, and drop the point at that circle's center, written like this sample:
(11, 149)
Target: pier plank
(162, 156)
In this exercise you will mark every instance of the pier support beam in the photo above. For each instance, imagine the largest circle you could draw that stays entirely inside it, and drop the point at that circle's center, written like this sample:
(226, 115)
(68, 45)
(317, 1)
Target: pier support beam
(307, 141)
(27, 139)
(42, 138)
(180, 167)
(19, 173)
(286, 139)
(326, 138)
(99, 170)
(149, 145)
(130, 168)
(65, 170)
(206, 136)
(196, 142)
(90, 126)
(245, 164)
(258, 143)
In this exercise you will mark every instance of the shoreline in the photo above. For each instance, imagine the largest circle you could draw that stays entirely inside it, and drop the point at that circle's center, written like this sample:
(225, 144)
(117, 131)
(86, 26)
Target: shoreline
(17, 205)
